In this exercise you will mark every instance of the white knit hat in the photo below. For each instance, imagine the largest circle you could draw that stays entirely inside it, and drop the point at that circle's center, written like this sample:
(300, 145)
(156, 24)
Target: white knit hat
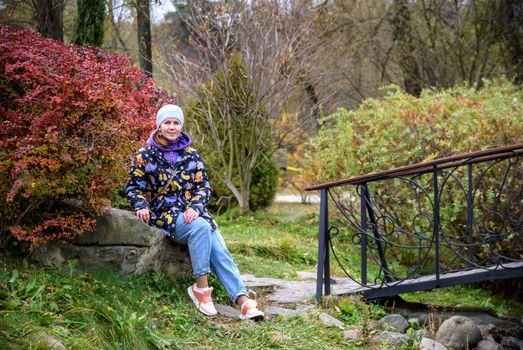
(169, 111)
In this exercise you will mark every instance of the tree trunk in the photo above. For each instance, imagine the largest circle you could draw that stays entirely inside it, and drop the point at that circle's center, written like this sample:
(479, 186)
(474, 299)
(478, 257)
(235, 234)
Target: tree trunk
(49, 16)
(116, 30)
(511, 22)
(244, 201)
(315, 103)
(242, 195)
(402, 36)
(89, 23)
(144, 36)
(238, 194)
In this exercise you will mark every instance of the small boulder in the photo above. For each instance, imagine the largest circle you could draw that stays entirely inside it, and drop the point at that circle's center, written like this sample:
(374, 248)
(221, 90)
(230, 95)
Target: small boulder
(431, 344)
(330, 321)
(49, 341)
(421, 333)
(489, 345)
(227, 311)
(352, 334)
(459, 332)
(278, 310)
(393, 322)
(303, 308)
(390, 338)
(274, 310)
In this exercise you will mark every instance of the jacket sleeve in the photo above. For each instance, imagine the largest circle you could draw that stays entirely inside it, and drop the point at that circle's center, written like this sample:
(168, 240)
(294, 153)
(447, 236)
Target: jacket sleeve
(201, 192)
(137, 183)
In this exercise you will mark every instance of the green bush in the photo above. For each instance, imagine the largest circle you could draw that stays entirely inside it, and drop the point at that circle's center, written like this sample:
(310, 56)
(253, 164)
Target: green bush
(399, 130)
(264, 182)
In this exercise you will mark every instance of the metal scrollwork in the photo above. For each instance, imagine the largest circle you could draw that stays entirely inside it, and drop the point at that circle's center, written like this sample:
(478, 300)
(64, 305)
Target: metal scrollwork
(432, 227)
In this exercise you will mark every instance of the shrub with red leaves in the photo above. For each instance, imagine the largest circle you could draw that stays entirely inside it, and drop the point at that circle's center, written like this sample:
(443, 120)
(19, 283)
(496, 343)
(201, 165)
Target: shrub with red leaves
(70, 117)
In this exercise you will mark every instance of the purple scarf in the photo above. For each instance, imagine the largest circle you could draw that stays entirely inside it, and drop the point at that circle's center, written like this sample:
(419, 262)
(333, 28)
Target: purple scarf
(171, 152)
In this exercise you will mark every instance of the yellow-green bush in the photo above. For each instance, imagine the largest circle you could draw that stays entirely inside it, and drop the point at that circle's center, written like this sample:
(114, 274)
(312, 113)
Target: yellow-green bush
(399, 130)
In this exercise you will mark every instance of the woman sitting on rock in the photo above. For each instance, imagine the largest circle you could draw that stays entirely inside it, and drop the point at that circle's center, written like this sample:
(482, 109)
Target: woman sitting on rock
(168, 188)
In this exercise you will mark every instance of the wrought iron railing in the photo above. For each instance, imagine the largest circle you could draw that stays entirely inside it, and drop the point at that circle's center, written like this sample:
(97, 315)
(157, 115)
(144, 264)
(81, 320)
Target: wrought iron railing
(440, 223)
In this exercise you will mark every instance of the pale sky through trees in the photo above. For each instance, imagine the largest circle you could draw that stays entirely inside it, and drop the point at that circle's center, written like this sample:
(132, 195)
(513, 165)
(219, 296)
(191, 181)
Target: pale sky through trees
(158, 10)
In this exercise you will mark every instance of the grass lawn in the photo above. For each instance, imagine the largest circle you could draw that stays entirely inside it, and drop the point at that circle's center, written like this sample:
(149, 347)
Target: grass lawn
(103, 310)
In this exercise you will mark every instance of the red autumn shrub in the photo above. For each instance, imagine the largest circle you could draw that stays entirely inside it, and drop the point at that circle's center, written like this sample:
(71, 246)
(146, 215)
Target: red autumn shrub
(70, 119)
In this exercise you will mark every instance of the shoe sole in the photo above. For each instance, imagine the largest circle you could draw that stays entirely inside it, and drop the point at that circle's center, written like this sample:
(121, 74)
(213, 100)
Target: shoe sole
(197, 303)
(253, 318)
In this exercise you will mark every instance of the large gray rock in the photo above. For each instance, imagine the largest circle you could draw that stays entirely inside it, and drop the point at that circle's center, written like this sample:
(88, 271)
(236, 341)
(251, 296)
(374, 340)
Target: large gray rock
(459, 333)
(120, 242)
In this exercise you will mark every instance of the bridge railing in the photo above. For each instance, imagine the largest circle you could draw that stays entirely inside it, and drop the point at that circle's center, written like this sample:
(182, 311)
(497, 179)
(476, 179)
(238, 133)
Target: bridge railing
(439, 223)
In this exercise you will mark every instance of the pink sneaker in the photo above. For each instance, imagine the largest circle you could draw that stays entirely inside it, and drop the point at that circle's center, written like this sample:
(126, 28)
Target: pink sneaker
(249, 311)
(202, 300)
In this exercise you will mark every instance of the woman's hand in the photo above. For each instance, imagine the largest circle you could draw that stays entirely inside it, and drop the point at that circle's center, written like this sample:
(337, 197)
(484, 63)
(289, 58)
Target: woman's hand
(143, 214)
(189, 215)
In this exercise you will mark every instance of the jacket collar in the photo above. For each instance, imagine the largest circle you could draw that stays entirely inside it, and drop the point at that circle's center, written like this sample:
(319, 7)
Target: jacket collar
(183, 155)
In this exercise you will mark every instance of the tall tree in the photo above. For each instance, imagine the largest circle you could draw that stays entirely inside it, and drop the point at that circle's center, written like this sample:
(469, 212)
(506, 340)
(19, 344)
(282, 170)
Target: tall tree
(89, 23)
(413, 43)
(49, 17)
(143, 13)
(404, 41)
(510, 22)
(116, 40)
(223, 112)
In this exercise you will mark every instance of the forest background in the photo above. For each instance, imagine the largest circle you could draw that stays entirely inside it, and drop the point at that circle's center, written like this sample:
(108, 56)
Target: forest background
(299, 61)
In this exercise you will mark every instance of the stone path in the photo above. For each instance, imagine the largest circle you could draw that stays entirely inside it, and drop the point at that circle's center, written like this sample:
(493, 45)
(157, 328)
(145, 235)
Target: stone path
(288, 298)
(292, 292)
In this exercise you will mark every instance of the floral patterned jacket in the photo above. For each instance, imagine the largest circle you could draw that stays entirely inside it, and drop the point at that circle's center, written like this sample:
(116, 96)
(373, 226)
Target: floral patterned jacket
(149, 186)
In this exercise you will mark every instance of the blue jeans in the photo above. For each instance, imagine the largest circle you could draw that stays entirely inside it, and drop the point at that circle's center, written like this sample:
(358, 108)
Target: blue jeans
(207, 249)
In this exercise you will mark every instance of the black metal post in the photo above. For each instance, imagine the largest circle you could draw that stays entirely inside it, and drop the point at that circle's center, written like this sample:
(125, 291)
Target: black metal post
(436, 218)
(327, 266)
(363, 239)
(470, 217)
(322, 246)
(377, 238)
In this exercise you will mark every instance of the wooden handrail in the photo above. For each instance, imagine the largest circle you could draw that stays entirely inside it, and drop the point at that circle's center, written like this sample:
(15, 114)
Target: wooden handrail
(423, 167)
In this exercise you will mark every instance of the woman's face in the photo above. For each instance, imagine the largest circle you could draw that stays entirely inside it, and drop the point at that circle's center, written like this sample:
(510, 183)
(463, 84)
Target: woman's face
(171, 129)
